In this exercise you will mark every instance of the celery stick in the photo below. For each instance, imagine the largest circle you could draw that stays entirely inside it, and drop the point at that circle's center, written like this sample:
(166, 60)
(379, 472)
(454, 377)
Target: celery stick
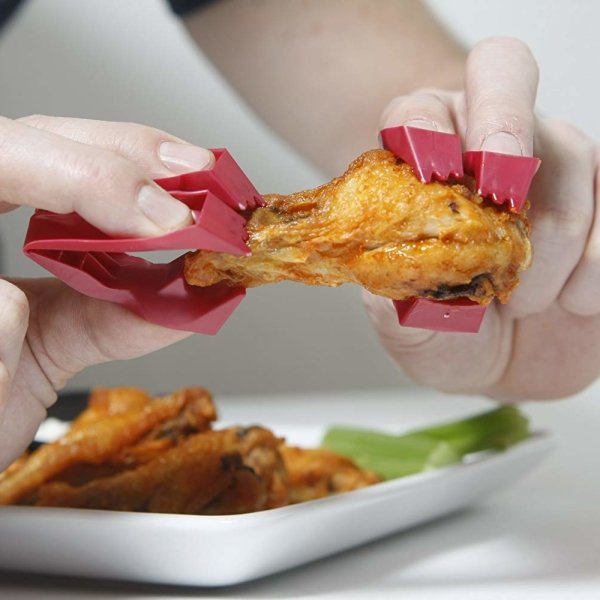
(394, 456)
(494, 430)
(388, 455)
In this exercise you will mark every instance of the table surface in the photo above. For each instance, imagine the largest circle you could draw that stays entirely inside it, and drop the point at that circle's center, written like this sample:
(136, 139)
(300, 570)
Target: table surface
(538, 539)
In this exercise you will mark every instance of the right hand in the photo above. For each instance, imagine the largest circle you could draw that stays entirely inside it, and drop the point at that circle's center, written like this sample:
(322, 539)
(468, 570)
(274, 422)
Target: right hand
(48, 332)
(545, 342)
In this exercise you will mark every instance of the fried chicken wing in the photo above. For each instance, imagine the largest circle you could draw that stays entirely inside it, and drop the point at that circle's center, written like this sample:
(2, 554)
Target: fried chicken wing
(109, 430)
(216, 472)
(380, 227)
(129, 451)
(318, 472)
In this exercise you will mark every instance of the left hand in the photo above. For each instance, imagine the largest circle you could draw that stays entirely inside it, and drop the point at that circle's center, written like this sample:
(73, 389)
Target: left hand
(545, 343)
(48, 332)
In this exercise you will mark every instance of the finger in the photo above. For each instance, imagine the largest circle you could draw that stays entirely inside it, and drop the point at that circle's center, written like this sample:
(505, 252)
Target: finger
(156, 152)
(426, 109)
(562, 207)
(71, 332)
(44, 170)
(581, 293)
(450, 362)
(501, 86)
(14, 318)
(30, 394)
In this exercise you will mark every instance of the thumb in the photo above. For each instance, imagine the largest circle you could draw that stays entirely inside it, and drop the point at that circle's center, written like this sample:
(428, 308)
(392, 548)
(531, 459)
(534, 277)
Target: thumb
(449, 362)
(14, 317)
(71, 332)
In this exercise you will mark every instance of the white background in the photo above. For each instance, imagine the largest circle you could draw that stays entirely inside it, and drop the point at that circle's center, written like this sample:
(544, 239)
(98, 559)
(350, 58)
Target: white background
(131, 61)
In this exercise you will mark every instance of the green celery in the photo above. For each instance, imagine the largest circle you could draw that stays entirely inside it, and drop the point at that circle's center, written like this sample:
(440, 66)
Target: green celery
(393, 456)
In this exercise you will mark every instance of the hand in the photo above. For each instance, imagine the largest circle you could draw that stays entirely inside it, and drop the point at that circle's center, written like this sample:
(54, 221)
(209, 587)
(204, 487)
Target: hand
(48, 332)
(545, 343)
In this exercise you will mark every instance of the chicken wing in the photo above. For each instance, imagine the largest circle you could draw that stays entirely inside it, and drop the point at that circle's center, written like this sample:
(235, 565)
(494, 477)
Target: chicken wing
(214, 472)
(108, 437)
(317, 472)
(130, 451)
(378, 226)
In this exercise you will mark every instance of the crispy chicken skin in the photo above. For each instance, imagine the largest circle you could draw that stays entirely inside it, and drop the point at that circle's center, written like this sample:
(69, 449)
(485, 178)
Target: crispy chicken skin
(378, 226)
(112, 428)
(129, 451)
(217, 472)
(317, 472)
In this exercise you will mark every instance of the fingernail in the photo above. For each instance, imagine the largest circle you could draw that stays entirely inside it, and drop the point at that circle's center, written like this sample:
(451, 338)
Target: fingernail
(163, 210)
(180, 158)
(423, 124)
(503, 142)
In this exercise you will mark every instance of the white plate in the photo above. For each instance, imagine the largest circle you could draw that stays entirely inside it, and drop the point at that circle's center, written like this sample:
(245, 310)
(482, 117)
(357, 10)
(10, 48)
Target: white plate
(223, 550)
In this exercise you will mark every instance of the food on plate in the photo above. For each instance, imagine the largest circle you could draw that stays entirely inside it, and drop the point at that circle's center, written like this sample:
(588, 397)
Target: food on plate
(213, 472)
(318, 472)
(129, 451)
(392, 456)
(380, 227)
(121, 428)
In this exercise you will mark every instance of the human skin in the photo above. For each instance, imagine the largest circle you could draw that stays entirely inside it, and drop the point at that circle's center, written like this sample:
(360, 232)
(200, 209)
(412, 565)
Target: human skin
(49, 332)
(320, 73)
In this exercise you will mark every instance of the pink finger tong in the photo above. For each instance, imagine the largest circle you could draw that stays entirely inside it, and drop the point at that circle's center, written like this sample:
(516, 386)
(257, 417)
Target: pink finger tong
(503, 178)
(97, 265)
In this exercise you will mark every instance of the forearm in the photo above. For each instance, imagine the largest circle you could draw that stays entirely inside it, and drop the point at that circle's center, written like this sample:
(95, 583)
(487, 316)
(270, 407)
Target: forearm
(320, 72)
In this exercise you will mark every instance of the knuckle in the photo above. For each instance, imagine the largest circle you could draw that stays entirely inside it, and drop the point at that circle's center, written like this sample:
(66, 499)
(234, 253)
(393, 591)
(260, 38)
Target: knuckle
(35, 120)
(517, 125)
(568, 133)
(140, 143)
(94, 172)
(429, 100)
(497, 105)
(575, 143)
(423, 104)
(100, 171)
(133, 136)
(567, 224)
(569, 148)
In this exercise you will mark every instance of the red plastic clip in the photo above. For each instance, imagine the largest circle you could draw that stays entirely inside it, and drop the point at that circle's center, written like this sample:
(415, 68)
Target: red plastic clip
(225, 179)
(461, 315)
(432, 154)
(502, 177)
(95, 264)
(429, 153)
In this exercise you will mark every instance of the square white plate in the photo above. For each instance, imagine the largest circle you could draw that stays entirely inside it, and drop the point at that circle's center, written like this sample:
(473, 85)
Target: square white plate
(224, 550)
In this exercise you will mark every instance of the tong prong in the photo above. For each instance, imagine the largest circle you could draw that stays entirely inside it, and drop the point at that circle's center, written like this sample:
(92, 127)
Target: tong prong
(225, 179)
(97, 265)
(460, 315)
(431, 154)
(503, 178)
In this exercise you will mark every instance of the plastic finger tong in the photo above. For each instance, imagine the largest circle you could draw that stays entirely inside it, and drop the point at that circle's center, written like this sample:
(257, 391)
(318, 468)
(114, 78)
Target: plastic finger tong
(97, 265)
(503, 178)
